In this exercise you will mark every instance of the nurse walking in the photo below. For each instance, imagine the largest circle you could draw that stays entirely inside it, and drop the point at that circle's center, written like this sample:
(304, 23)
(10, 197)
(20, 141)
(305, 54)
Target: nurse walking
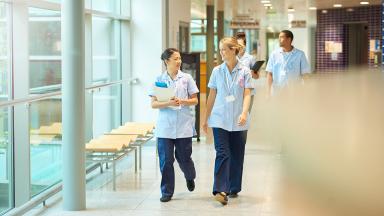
(175, 124)
(227, 114)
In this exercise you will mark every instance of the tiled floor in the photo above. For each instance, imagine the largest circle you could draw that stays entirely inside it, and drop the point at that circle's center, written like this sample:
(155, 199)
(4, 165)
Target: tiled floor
(138, 194)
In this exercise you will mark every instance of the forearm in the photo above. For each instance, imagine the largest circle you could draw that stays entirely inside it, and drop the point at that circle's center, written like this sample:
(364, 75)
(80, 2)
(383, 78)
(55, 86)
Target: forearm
(159, 105)
(246, 100)
(269, 81)
(210, 102)
(190, 102)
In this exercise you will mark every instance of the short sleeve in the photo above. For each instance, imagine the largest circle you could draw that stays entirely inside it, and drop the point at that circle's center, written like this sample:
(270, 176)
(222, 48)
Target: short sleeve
(248, 79)
(253, 61)
(304, 66)
(271, 62)
(192, 87)
(212, 80)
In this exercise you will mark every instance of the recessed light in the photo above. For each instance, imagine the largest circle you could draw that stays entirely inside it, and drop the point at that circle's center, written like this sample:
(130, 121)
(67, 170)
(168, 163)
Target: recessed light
(337, 5)
(324, 11)
(364, 3)
(265, 1)
(267, 5)
(312, 8)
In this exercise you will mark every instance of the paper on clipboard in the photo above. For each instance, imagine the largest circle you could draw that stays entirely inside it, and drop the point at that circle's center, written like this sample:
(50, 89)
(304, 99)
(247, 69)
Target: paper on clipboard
(163, 94)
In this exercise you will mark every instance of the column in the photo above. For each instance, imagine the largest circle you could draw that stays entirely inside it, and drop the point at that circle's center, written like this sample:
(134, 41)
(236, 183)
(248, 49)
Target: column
(73, 104)
(210, 48)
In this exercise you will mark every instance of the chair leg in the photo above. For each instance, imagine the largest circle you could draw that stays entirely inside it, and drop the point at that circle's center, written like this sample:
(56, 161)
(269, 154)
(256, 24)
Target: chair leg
(114, 174)
(135, 160)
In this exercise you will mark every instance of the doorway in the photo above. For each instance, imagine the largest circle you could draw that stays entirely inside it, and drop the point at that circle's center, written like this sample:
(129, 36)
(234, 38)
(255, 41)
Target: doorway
(357, 37)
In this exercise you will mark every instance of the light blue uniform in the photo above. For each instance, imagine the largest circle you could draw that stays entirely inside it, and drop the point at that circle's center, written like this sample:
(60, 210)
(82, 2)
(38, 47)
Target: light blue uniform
(229, 137)
(176, 123)
(247, 60)
(225, 115)
(174, 130)
(286, 66)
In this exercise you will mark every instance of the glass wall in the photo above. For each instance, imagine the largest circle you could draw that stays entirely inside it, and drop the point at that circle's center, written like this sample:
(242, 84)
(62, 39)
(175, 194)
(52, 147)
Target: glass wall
(106, 110)
(6, 150)
(45, 144)
(41, 45)
(44, 76)
(44, 48)
(105, 50)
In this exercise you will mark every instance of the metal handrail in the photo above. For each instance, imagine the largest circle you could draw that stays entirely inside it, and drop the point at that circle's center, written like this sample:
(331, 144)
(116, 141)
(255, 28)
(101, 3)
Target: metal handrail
(58, 93)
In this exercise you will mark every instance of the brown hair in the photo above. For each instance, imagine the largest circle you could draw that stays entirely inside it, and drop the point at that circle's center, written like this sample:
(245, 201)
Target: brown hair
(231, 43)
(241, 35)
(167, 54)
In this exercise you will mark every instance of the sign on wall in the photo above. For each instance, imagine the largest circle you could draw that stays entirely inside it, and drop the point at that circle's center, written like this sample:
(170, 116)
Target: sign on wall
(244, 22)
(333, 47)
(298, 24)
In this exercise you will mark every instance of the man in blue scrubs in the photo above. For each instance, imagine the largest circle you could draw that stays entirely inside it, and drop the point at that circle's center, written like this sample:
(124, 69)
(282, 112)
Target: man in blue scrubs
(286, 63)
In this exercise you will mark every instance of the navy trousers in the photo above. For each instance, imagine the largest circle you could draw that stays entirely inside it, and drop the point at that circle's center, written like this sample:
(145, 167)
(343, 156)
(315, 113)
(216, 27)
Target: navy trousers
(180, 148)
(230, 147)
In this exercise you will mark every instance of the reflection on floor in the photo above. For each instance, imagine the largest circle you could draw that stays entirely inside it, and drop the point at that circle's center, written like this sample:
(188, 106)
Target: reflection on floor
(314, 149)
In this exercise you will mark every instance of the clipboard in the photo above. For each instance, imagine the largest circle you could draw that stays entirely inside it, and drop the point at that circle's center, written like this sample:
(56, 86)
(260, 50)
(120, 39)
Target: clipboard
(163, 94)
(256, 67)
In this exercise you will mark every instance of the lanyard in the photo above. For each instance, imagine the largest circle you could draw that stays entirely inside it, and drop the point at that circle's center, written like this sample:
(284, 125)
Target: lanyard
(285, 61)
(229, 83)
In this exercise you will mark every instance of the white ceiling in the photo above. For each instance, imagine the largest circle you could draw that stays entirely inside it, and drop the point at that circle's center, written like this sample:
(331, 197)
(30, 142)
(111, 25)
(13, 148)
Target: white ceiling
(255, 9)
(277, 17)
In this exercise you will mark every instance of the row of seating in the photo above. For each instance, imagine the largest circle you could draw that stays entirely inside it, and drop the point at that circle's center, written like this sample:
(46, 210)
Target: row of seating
(113, 146)
(107, 148)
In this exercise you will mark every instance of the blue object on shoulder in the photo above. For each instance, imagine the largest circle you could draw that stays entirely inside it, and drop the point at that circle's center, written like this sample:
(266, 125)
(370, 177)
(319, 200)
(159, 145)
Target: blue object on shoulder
(161, 84)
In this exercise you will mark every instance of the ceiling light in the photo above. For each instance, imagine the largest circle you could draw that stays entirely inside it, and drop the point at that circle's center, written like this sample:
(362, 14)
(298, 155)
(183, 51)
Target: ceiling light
(364, 3)
(324, 11)
(265, 1)
(267, 5)
(312, 8)
(350, 10)
(337, 5)
(291, 10)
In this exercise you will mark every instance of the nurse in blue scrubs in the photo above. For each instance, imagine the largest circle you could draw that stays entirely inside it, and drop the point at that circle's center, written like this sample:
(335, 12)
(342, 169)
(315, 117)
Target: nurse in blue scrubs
(228, 116)
(175, 124)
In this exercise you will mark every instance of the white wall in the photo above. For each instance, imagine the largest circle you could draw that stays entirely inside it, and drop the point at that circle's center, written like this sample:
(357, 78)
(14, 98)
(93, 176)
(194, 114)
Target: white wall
(147, 38)
(179, 10)
(303, 39)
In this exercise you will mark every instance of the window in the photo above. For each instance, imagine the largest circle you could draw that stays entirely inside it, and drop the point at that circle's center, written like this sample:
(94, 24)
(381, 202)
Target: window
(106, 68)
(44, 48)
(44, 75)
(198, 35)
(6, 151)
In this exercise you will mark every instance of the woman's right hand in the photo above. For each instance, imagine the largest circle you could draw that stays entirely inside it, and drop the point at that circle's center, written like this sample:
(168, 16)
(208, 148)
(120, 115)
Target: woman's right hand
(174, 101)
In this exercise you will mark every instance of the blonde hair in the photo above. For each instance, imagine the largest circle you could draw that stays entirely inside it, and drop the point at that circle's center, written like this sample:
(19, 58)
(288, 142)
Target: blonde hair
(231, 43)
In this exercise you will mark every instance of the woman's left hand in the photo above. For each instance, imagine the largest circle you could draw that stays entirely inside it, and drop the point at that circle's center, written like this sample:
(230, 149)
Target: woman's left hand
(242, 119)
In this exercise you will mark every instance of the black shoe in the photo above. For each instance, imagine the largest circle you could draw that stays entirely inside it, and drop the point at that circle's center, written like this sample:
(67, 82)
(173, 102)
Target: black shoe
(191, 185)
(165, 198)
(233, 195)
(221, 198)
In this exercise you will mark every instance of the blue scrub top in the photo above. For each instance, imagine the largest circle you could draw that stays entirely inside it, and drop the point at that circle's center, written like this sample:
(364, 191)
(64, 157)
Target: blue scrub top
(174, 123)
(247, 60)
(286, 66)
(225, 114)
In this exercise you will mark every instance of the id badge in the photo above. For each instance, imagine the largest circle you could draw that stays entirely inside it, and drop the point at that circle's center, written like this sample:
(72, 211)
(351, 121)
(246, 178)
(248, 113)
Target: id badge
(230, 98)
